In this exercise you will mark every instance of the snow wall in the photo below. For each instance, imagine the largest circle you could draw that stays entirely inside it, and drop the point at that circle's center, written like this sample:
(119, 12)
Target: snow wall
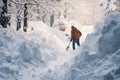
(99, 56)
(21, 53)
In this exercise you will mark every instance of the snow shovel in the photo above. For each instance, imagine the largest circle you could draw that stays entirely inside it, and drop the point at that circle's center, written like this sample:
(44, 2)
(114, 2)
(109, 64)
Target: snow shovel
(68, 46)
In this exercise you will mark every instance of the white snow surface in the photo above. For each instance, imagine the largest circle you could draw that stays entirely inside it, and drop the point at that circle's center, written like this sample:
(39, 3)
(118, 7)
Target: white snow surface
(99, 56)
(39, 54)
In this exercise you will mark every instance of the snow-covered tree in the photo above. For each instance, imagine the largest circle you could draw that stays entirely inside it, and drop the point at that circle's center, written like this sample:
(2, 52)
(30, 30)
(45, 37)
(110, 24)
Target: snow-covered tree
(4, 18)
(111, 6)
(29, 9)
(82, 11)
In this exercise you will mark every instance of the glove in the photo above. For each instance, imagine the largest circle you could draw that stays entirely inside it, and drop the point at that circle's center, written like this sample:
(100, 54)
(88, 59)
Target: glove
(70, 39)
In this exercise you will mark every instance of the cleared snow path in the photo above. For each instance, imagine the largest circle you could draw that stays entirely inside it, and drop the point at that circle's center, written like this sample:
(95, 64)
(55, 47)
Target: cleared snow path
(63, 58)
(36, 73)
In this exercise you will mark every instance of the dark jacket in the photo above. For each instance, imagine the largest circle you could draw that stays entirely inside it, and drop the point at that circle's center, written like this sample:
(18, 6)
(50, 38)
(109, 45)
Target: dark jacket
(75, 33)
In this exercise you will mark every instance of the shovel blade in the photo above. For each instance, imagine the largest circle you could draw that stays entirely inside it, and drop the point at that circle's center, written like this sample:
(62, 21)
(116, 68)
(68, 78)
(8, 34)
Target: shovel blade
(67, 47)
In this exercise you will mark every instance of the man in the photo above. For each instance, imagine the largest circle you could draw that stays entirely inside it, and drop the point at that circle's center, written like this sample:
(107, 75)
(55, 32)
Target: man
(75, 35)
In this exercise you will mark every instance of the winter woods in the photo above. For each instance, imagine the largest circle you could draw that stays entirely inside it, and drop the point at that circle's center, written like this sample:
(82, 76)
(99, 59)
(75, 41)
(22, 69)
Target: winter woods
(48, 11)
(24, 10)
(4, 18)
(111, 6)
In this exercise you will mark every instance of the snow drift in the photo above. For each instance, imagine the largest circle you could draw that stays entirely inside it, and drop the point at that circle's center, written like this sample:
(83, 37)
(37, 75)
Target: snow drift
(21, 53)
(100, 53)
(28, 56)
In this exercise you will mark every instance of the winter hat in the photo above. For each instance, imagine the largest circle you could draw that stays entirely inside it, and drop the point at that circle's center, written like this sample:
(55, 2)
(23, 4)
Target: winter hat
(72, 26)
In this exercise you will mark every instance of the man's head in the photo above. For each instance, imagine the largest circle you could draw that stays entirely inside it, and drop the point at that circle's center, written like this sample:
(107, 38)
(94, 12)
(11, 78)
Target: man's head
(72, 27)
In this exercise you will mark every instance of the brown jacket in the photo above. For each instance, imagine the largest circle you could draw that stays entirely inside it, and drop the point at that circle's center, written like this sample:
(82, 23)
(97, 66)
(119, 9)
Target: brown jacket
(75, 33)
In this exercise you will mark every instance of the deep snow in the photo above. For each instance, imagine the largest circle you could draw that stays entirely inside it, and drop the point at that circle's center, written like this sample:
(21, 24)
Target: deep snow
(35, 54)
(99, 56)
(40, 54)
(22, 53)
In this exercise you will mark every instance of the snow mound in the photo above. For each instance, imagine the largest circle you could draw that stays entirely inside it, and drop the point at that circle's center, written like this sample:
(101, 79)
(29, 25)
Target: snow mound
(22, 53)
(100, 53)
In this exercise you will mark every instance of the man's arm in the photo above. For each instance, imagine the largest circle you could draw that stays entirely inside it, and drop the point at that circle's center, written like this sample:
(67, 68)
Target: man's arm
(71, 36)
(80, 33)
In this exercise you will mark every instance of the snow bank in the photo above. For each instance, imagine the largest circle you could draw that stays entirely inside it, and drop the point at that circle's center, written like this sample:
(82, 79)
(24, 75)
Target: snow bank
(16, 52)
(100, 53)
(23, 54)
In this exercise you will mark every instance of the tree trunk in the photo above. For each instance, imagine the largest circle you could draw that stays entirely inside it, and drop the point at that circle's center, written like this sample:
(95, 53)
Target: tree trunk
(5, 5)
(65, 13)
(25, 18)
(4, 19)
(51, 20)
(18, 23)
